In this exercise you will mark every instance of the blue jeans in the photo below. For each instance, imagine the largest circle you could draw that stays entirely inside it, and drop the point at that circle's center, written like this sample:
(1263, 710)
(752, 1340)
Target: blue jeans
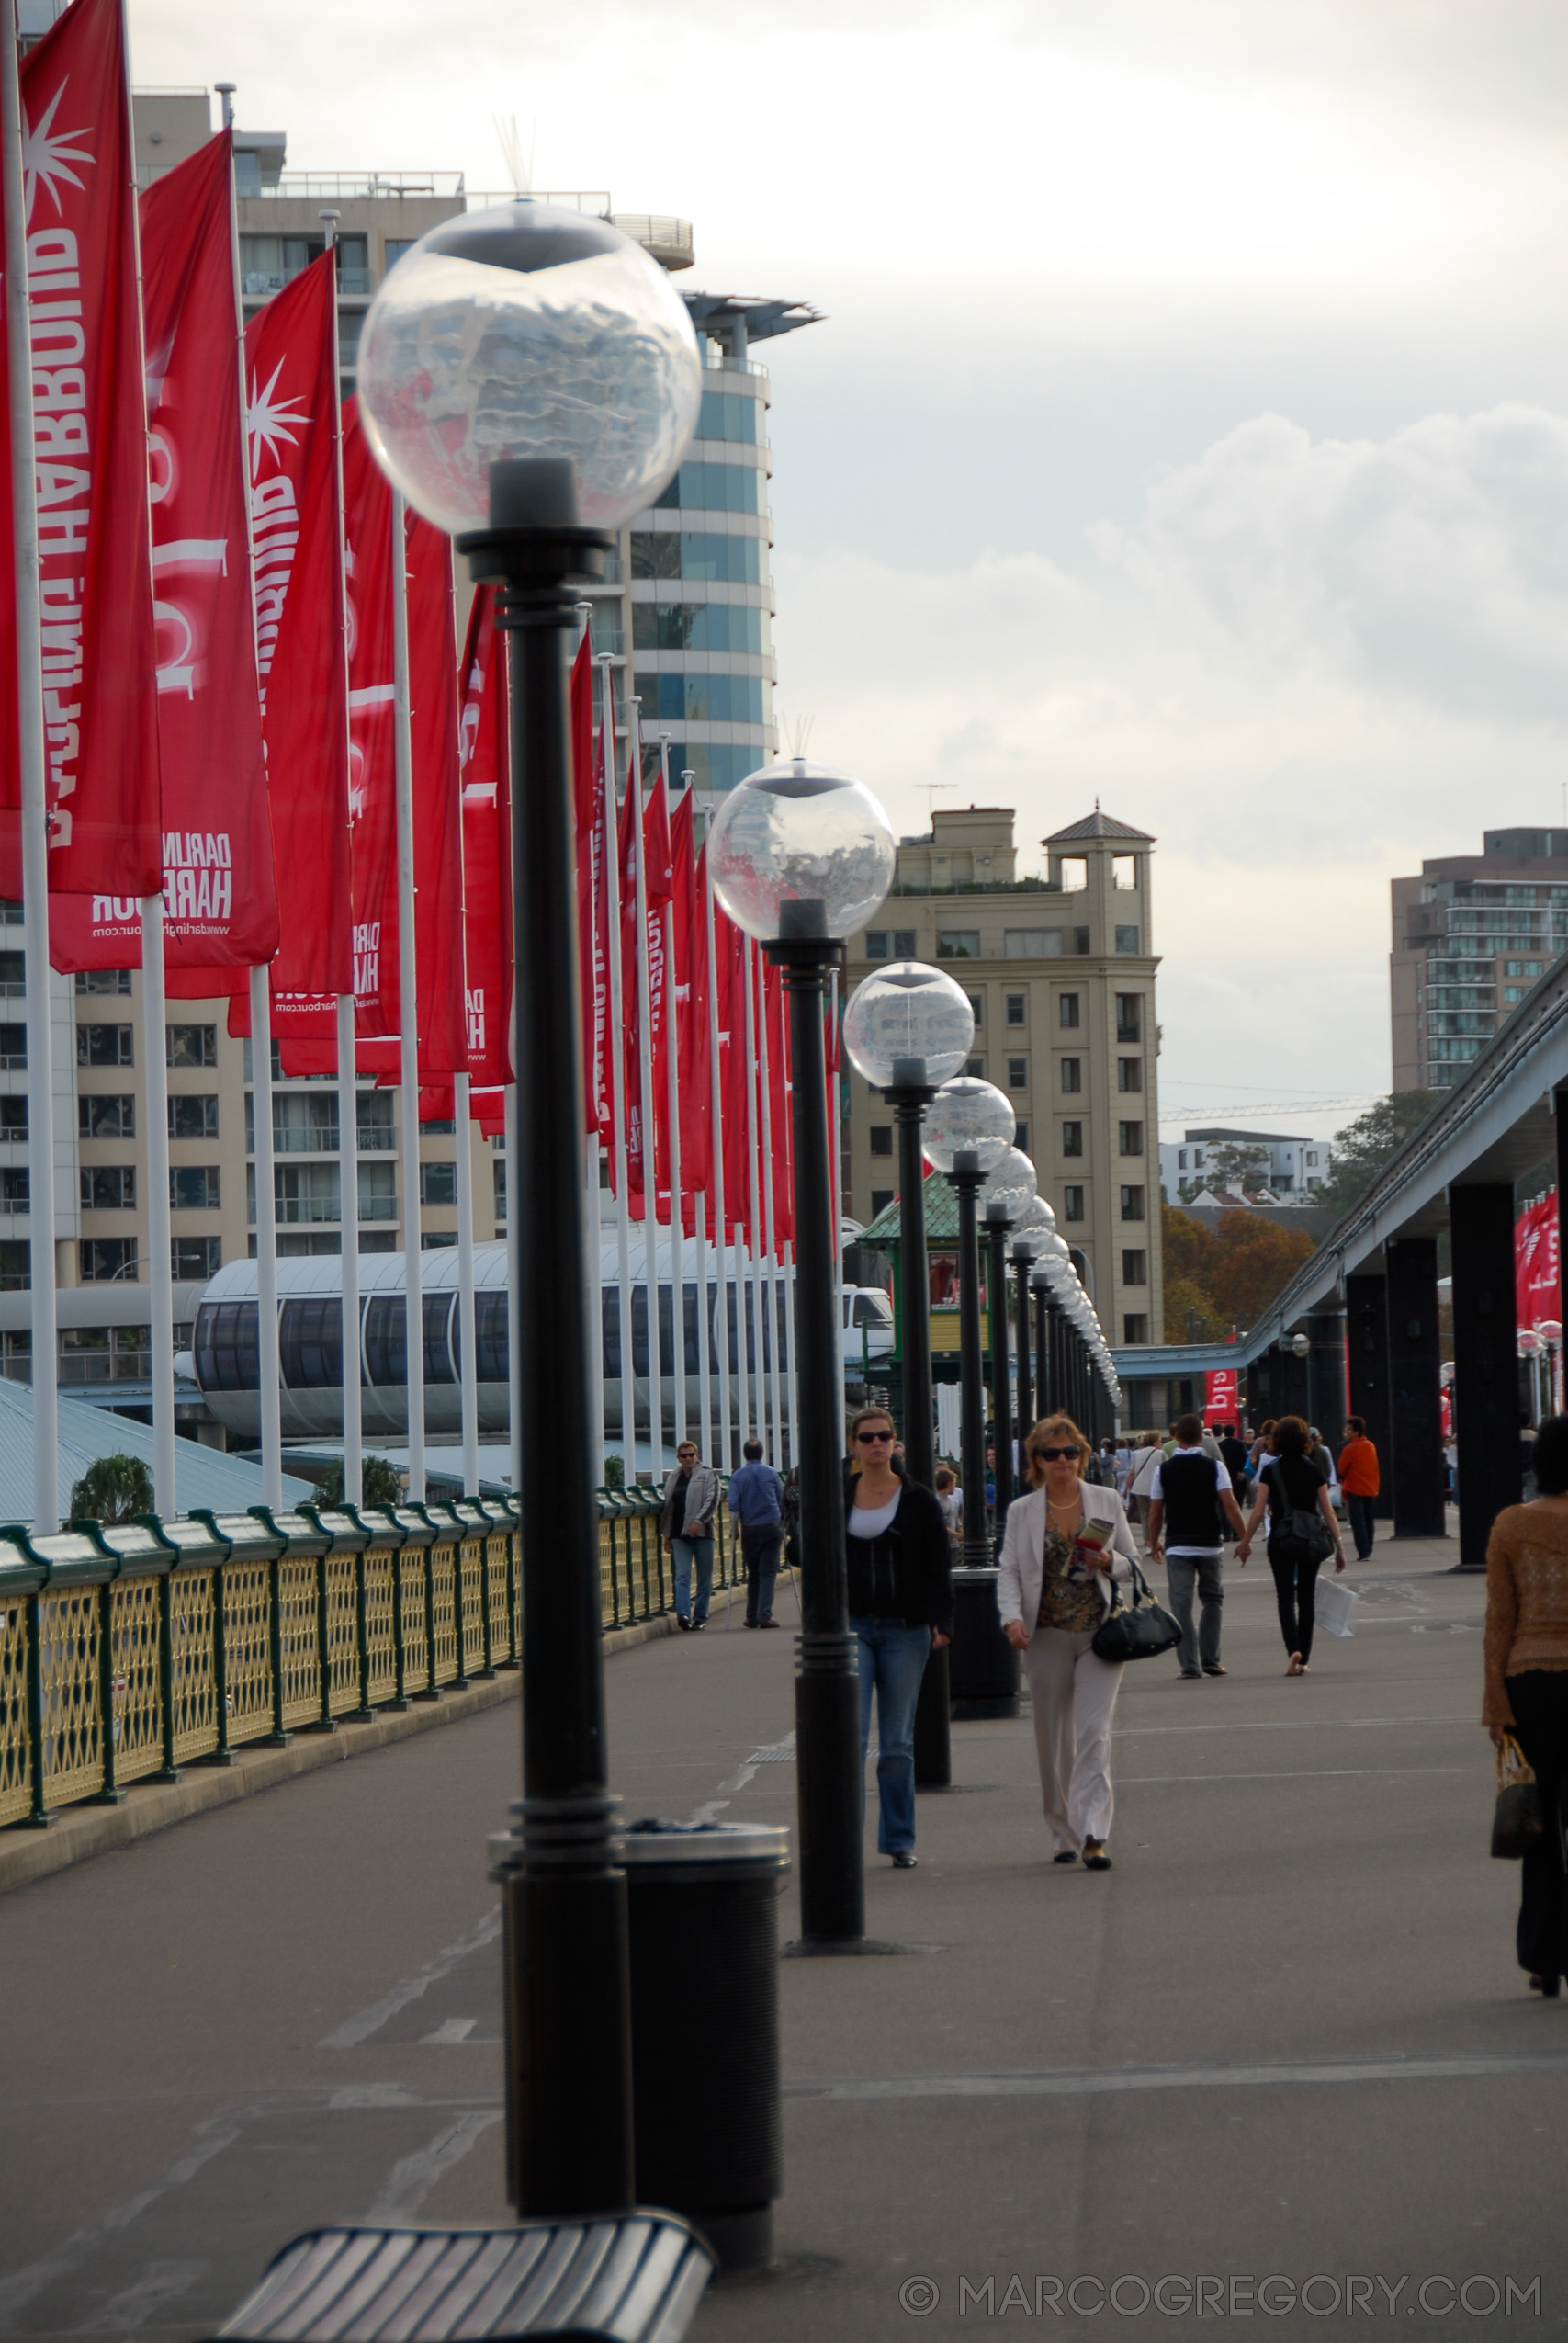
(761, 1548)
(688, 1550)
(891, 1658)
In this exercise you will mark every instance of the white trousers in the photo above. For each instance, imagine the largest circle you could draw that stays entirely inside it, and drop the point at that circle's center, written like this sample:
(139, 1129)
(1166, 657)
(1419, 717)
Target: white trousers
(1074, 1692)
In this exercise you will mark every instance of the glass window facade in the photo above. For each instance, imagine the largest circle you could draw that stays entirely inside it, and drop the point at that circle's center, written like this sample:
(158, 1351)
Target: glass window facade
(713, 764)
(194, 1117)
(111, 1118)
(1033, 942)
(695, 554)
(730, 414)
(696, 626)
(715, 488)
(696, 698)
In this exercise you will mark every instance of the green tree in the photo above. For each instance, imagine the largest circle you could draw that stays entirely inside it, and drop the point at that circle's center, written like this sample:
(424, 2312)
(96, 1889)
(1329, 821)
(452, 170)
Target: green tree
(1226, 1275)
(1231, 1166)
(382, 1481)
(1363, 1146)
(113, 1489)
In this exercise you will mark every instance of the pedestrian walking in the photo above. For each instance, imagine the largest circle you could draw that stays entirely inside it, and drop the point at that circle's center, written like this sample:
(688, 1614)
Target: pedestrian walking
(1102, 1466)
(951, 1502)
(1191, 1500)
(1527, 1690)
(900, 1587)
(1359, 1480)
(756, 1501)
(1149, 1460)
(1303, 1534)
(1066, 1541)
(691, 1500)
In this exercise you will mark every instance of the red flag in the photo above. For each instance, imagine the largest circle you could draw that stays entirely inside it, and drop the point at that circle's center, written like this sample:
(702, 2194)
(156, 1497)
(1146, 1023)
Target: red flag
(694, 1056)
(779, 1087)
(437, 805)
(631, 999)
(658, 892)
(604, 865)
(487, 850)
(592, 1003)
(90, 430)
(219, 902)
(731, 975)
(297, 538)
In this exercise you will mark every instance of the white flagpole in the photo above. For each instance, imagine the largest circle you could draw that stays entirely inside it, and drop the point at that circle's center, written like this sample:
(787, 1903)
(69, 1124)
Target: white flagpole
(756, 1416)
(408, 1010)
(514, 1333)
(716, 1092)
(160, 1270)
(468, 1361)
(590, 1214)
(645, 1087)
(267, 1240)
(35, 823)
(604, 662)
(767, 1182)
(348, 1221)
(673, 1111)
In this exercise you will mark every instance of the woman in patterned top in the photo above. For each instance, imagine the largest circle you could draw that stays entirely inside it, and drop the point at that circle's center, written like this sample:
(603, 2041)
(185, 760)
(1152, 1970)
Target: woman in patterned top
(1064, 1543)
(1526, 1688)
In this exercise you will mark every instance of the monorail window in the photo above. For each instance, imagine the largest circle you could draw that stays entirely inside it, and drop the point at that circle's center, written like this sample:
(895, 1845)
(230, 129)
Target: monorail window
(386, 1342)
(440, 1337)
(227, 1347)
(311, 1342)
(491, 1348)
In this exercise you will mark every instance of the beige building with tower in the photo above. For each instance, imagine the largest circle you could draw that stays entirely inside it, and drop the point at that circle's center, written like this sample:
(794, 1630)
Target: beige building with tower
(1059, 968)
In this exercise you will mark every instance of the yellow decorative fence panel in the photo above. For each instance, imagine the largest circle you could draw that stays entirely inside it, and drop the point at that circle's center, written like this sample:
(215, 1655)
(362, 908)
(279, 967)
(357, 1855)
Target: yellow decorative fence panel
(441, 1561)
(138, 1695)
(247, 1650)
(497, 1549)
(297, 1642)
(412, 1563)
(380, 1580)
(341, 1597)
(68, 1664)
(193, 1651)
(16, 1772)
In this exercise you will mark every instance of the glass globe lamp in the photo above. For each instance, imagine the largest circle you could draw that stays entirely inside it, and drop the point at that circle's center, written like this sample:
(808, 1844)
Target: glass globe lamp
(1035, 1225)
(909, 1025)
(1529, 1344)
(1301, 1344)
(1009, 1185)
(529, 331)
(800, 850)
(1550, 1330)
(968, 1117)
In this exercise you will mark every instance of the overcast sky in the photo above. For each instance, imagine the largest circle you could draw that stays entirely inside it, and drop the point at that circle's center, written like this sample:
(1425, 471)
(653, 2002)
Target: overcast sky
(1188, 428)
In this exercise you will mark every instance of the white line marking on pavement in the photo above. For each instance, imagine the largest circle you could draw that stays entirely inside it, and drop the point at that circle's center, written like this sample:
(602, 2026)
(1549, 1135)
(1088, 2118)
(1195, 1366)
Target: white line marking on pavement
(366, 2022)
(776, 1753)
(1294, 1724)
(1087, 2083)
(413, 2177)
(451, 2030)
(1312, 1773)
(20, 2289)
(159, 2283)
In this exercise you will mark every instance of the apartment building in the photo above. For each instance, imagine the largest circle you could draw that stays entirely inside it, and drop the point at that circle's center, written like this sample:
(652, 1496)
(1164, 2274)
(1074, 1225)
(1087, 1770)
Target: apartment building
(1285, 1165)
(1060, 971)
(1472, 934)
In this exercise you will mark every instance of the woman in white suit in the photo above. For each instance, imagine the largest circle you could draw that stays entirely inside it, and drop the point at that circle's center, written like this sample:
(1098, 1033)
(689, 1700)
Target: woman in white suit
(1052, 1593)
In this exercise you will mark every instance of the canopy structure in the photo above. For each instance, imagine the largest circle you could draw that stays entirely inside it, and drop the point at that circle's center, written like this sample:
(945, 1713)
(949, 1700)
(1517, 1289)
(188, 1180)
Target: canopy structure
(203, 1477)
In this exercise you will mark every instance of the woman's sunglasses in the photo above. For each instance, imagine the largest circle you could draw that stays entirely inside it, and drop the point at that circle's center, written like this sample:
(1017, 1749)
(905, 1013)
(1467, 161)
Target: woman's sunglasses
(874, 1435)
(1053, 1455)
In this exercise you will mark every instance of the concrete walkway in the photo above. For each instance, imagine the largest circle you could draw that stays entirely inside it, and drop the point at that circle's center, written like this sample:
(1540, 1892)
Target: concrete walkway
(1284, 2038)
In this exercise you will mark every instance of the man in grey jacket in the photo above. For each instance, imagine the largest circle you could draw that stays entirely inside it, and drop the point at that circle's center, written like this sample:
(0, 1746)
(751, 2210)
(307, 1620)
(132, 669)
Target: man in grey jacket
(691, 1500)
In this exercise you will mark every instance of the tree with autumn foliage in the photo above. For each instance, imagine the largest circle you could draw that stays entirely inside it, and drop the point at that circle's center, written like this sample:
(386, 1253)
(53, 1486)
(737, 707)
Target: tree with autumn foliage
(1224, 1277)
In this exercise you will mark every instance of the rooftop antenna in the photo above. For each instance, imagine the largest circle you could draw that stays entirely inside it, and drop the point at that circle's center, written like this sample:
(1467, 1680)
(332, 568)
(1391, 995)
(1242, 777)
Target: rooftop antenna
(799, 731)
(510, 141)
(933, 789)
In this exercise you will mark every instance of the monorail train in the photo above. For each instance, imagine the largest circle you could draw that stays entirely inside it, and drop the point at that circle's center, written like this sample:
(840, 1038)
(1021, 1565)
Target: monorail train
(224, 1356)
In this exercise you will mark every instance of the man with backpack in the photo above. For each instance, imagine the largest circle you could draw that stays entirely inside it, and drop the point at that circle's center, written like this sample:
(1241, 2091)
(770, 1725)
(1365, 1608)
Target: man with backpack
(1191, 1501)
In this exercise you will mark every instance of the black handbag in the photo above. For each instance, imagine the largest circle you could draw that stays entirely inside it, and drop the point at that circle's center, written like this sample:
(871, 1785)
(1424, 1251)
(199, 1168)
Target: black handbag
(1299, 1530)
(1141, 1631)
(1516, 1820)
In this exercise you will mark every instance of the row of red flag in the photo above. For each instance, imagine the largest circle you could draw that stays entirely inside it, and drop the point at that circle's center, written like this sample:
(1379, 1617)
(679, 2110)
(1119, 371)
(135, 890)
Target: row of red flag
(217, 562)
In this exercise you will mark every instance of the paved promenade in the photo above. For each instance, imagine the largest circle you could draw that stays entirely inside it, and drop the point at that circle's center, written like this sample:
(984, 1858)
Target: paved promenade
(1285, 2038)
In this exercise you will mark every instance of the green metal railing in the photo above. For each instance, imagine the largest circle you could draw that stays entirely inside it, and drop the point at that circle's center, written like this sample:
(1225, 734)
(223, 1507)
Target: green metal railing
(128, 1653)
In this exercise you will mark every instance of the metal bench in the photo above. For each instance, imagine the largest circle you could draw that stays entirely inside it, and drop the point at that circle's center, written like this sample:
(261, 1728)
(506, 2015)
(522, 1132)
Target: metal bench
(637, 2278)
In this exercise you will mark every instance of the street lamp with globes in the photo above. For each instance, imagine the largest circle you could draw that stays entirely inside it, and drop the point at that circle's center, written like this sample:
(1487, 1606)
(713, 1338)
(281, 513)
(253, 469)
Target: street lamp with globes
(1005, 1195)
(528, 379)
(801, 856)
(969, 1128)
(909, 1028)
(1036, 1222)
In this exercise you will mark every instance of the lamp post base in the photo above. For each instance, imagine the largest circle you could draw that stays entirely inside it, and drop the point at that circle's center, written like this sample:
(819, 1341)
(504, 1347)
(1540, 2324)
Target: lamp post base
(830, 1773)
(933, 1710)
(985, 1666)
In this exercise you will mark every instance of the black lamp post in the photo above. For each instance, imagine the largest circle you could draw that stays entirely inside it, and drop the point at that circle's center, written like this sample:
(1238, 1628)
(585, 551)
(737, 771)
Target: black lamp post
(999, 1226)
(908, 1028)
(966, 1178)
(1022, 1262)
(801, 856)
(1044, 1396)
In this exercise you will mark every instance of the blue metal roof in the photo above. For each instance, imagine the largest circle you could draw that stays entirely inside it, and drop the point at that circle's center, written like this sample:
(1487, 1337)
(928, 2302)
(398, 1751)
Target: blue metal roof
(202, 1476)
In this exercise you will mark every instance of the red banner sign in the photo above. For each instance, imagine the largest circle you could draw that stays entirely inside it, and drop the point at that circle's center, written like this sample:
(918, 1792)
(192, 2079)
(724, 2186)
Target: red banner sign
(1538, 1289)
(1220, 1403)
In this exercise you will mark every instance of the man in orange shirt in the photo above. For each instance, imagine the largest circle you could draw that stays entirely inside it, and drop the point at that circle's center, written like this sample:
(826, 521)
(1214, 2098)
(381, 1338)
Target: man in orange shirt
(1359, 1479)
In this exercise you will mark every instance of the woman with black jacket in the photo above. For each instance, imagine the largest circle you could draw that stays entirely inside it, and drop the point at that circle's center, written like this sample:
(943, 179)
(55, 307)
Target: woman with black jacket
(1291, 1485)
(900, 1607)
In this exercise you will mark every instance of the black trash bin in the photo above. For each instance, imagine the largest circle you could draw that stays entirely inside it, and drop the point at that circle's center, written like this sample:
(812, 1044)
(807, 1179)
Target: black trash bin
(701, 1901)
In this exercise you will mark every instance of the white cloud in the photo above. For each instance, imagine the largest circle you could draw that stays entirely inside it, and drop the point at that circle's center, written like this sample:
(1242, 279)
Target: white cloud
(1311, 665)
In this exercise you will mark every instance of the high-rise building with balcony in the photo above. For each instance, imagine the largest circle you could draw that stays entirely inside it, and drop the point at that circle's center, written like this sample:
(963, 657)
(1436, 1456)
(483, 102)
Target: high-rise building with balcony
(1472, 934)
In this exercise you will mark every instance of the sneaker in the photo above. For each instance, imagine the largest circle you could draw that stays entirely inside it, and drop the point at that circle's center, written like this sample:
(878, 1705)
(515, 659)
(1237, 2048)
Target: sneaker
(697, 1623)
(682, 1620)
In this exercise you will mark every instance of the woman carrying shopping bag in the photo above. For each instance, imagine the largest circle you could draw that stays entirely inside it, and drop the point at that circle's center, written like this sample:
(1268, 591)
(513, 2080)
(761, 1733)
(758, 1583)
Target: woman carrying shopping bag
(1066, 1543)
(1527, 1690)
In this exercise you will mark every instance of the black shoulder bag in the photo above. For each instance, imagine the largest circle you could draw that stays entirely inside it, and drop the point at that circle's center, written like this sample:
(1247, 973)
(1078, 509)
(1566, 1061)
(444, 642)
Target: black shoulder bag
(1142, 1631)
(1299, 1530)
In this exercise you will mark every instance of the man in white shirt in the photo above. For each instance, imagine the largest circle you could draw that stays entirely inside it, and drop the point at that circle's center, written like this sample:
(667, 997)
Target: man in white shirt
(1191, 1501)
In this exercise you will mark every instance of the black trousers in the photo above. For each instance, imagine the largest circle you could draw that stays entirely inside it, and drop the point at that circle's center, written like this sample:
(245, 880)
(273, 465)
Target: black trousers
(1295, 1587)
(1361, 1513)
(1539, 1698)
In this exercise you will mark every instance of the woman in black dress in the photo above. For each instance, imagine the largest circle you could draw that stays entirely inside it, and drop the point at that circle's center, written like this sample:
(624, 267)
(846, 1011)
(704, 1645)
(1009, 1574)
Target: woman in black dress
(1291, 1484)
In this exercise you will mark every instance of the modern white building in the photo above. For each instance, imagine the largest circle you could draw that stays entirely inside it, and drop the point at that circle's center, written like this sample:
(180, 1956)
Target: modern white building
(1209, 1159)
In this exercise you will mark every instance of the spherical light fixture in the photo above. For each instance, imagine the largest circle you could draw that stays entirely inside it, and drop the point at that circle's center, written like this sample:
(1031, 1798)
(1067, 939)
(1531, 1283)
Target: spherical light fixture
(908, 1023)
(1035, 1225)
(968, 1117)
(529, 331)
(800, 850)
(1550, 1330)
(1009, 1185)
(1529, 1344)
(1301, 1344)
